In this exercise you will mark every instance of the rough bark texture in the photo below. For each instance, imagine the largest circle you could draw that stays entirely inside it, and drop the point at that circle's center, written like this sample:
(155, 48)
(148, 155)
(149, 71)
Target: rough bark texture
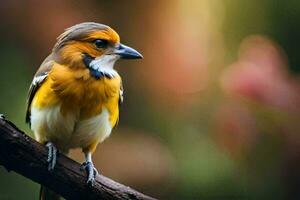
(22, 154)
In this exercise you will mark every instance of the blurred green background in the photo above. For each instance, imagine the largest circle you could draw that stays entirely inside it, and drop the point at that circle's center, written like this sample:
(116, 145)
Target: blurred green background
(211, 112)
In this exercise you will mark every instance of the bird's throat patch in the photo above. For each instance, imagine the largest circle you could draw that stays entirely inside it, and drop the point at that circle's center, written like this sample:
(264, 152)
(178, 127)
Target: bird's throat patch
(101, 66)
(87, 60)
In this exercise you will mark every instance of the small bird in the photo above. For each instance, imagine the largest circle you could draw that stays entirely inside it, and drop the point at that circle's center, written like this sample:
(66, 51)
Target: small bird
(74, 98)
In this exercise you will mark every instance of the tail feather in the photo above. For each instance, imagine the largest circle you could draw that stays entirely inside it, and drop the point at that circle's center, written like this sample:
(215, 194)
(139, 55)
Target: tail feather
(47, 194)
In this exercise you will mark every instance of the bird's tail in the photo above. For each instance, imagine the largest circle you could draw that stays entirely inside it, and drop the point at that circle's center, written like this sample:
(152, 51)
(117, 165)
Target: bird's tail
(47, 194)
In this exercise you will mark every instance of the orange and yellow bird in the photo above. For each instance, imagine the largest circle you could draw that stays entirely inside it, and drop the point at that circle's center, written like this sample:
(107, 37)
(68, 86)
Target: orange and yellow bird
(75, 95)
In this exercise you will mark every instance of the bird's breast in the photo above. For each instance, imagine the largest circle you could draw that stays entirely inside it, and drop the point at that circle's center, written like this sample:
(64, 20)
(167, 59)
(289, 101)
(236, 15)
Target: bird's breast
(78, 92)
(74, 109)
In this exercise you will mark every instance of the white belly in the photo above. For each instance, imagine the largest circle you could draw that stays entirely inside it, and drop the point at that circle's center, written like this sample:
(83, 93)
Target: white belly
(97, 128)
(67, 131)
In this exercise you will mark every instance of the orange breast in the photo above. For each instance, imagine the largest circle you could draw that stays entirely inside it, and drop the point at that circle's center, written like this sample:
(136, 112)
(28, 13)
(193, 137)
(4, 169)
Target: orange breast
(77, 91)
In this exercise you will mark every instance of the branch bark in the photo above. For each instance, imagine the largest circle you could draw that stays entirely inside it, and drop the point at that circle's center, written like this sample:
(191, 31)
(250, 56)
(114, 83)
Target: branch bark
(22, 154)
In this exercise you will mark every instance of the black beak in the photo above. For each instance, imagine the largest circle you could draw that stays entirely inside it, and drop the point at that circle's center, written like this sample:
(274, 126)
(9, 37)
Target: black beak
(126, 52)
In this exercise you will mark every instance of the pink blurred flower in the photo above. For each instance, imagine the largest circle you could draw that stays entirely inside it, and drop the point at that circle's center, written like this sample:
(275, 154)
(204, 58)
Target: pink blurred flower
(260, 74)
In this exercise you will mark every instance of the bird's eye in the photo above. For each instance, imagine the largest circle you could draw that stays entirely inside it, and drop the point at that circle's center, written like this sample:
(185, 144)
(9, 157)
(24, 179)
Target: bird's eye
(100, 43)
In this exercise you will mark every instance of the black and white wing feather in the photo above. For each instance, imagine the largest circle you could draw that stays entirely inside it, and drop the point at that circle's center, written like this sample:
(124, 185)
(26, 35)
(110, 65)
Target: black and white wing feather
(121, 94)
(40, 76)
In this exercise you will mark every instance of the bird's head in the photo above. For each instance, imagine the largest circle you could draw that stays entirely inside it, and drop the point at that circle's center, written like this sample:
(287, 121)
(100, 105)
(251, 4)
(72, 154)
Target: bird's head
(92, 45)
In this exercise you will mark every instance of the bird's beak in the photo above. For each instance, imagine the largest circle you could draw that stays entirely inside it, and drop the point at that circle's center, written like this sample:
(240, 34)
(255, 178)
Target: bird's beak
(126, 52)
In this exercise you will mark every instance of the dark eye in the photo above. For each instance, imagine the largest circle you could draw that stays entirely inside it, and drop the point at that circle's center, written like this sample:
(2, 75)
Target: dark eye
(100, 43)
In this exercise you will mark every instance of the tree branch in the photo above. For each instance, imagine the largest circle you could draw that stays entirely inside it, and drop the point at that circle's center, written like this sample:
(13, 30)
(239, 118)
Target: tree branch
(22, 154)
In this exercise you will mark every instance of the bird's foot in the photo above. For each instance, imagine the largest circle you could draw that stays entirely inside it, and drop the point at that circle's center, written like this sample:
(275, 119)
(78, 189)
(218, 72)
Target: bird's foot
(91, 172)
(52, 155)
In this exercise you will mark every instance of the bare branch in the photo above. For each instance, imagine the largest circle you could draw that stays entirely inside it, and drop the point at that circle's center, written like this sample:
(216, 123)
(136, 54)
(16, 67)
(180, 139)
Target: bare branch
(22, 154)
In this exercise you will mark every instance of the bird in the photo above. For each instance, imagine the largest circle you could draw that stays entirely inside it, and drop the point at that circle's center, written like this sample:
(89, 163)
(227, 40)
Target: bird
(75, 95)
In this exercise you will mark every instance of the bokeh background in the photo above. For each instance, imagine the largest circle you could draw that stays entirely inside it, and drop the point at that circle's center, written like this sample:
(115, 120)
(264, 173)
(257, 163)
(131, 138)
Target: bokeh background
(211, 112)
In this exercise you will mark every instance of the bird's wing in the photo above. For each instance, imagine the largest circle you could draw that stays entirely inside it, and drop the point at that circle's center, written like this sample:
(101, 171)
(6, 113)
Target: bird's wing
(37, 81)
(121, 97)
(121, 94)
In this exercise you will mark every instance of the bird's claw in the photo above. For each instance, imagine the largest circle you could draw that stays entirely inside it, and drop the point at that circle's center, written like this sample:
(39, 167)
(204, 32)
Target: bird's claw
(91, 172)
(52, 155)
